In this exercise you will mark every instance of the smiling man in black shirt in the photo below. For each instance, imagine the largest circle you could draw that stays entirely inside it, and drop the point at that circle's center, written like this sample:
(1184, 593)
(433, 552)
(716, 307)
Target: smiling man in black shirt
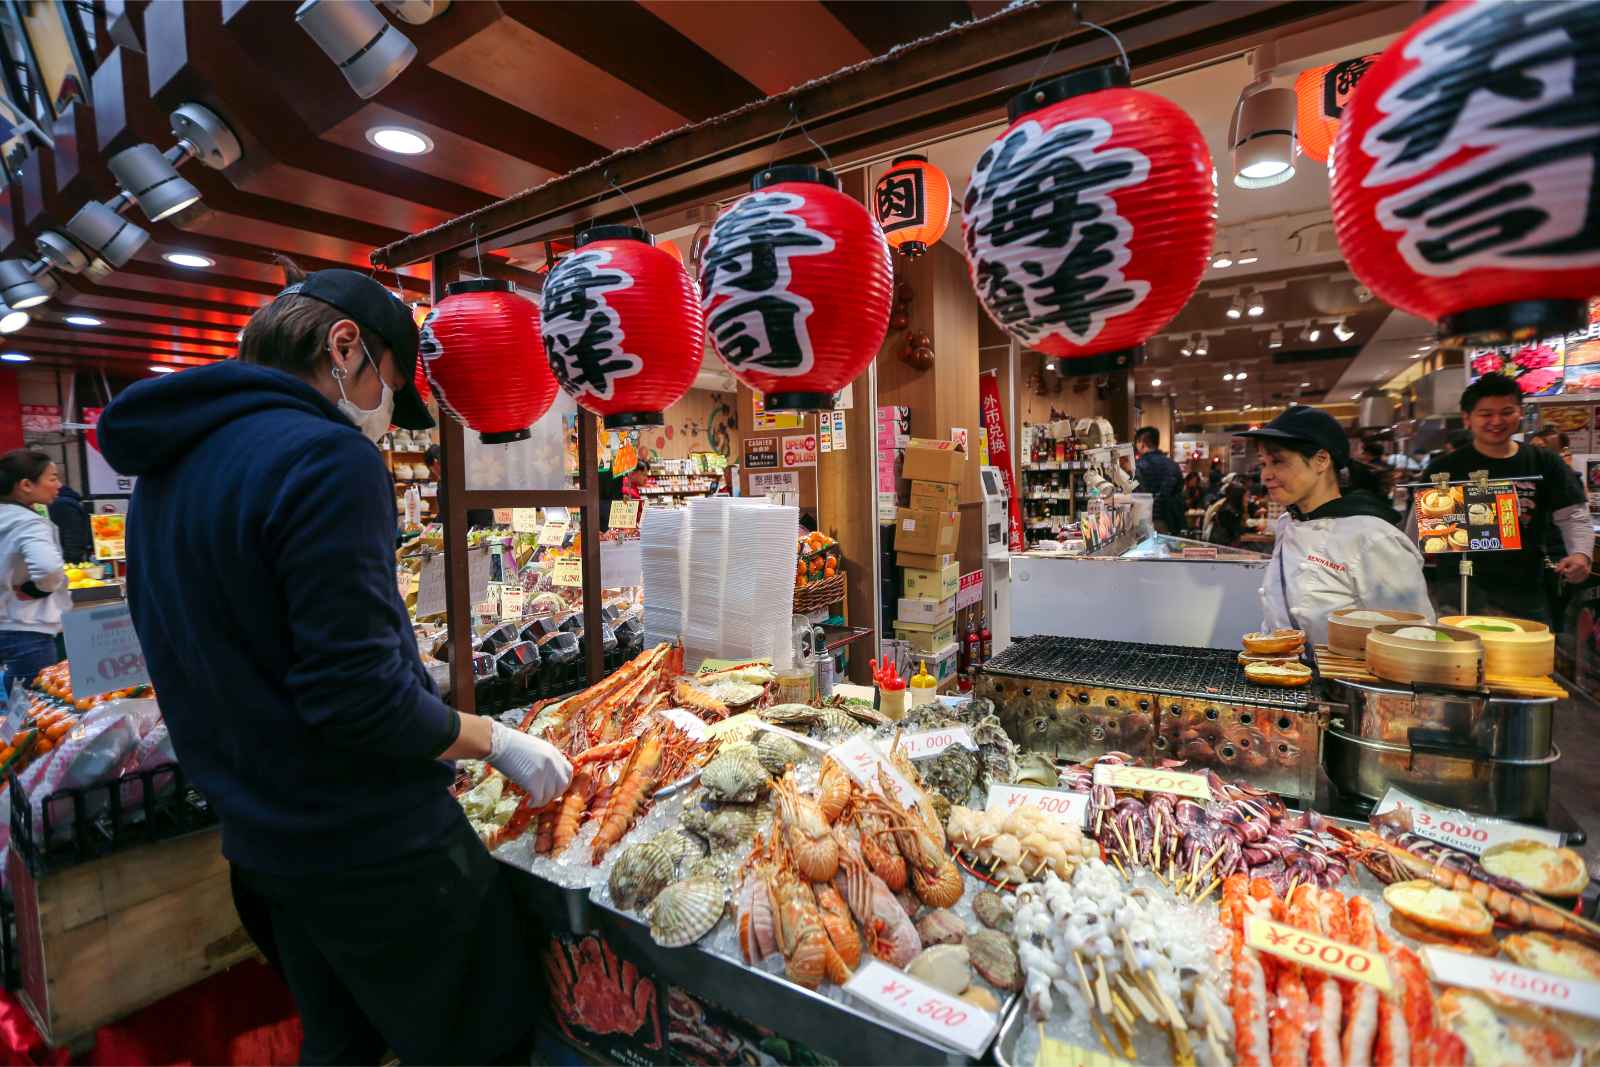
(1512, 583)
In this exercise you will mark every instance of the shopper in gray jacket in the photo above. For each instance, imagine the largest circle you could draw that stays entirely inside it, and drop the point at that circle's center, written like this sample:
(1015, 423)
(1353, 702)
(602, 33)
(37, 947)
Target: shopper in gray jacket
(34, 593)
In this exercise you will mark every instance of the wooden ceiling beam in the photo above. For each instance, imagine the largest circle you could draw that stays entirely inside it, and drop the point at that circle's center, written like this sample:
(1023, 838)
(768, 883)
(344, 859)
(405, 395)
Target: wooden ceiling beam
(101, 335)
(881, 24)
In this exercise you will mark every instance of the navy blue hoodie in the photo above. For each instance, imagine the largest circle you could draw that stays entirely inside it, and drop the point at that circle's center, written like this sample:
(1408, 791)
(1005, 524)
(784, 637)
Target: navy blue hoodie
(261, 577)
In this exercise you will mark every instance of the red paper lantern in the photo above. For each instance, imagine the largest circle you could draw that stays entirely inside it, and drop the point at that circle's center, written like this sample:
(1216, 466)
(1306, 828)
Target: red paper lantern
(419, 378)
(1464, 174)
(796, 282)
(1089, 221)
(622, 326)
(912, 204)
(481, 353)
(1320, 96)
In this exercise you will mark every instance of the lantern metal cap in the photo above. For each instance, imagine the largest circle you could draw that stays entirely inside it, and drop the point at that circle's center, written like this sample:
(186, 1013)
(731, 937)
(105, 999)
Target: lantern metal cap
(1519, 320)
(1079, 82)
(505, 437)
(613, 232)
(479, 285)
(793, 172)
(910, 157)
(624, 420)
(798, 401)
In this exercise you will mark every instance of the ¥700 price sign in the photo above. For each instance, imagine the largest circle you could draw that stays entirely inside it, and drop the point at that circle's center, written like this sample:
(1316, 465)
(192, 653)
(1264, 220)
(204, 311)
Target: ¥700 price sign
(103, 652)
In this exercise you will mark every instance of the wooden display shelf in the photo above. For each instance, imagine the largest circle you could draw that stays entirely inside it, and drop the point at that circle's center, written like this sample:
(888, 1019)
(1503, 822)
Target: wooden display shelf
(1346, 668)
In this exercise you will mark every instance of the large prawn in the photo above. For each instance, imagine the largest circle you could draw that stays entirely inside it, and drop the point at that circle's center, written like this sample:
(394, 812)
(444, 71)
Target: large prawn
(935, 878)
(808, 835)
(886, 929)
(630, 795)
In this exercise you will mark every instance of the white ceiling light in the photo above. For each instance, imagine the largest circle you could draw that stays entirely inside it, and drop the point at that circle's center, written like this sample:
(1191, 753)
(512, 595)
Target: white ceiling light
(1208, 407)
(188, 259)
(1247, 256)
(1236, 307)
(1254, 306)
(1355, 396)
(1247, 407)
(1261, 134)
(1050, 366)
(1154, 382)
(1202, 347)
(16, 357)
(1417, 355)
(1221, 259)
(1305, 385)
(157, 368)
(1187, 347)
(1275, 339)
(12, 320)
(401, 140)
(1310, 332)
(1228, 377)
(1241, 376)
(1342, 330)
(84, 320)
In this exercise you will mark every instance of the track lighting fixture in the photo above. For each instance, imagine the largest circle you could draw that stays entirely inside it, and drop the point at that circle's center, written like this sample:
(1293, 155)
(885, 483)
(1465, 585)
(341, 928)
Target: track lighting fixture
(1310, 332)
(1221, 259)
(1275, 339)
(1236, 307)
(1342, 331)
(150, 177)
(24, 285)
(1261, 135)
(1254, 306)
(109, 239)
(368, 51)
(1202, 347)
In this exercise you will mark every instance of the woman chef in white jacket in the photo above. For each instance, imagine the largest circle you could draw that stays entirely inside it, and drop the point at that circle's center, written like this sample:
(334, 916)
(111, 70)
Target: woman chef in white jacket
(1333, 550)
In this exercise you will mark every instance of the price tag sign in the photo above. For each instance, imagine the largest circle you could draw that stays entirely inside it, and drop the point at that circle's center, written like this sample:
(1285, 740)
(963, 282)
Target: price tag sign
(430, 587)
(511, 597)
(525, 520)
(1469, 833)
(568, 573)
(1314, 950)
(932, 742)
(554, 532)
(945, 1018)
(1071, 809)
(862, 759)
(1537, 987)
(686, 721)
(624, 515)
(103, 652)
(1120, 776)
(734, 724)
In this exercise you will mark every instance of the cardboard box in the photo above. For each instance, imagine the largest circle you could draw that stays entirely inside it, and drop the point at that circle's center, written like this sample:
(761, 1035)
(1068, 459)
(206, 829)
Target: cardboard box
(925, 561)
(926, 532)
(933, 496)
(893, 426)
(927, 638)
(916, 609)
(942, 664)
(939, 583)
(934, 461)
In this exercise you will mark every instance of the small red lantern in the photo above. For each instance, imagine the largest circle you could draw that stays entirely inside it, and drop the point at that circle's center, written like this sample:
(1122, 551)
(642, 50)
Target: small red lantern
(1464, 174)
(1320, 96)
(796, 282)
(912, 204)
(481, 353)
(622, 326)
(1089, 221)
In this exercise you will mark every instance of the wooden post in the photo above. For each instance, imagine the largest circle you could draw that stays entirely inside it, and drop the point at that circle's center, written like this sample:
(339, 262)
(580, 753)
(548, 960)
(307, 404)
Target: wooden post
(589, 534)
(453, 512)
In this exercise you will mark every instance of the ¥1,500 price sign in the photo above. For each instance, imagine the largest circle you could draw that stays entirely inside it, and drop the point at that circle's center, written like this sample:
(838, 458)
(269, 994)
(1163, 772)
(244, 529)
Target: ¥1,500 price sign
(103, 652)
(945, 1018)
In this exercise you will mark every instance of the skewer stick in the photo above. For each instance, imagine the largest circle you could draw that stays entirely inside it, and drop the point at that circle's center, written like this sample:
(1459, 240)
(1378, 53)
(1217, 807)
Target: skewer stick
(1289, 896)
(1138, 1000)
(1083, 977)
(1195, 879)
(1125, 1014)
(1042, 865)
(1201, 898)
(1127, 1043)
(1101, 989)
(1173, 1015)
(1537, 900)
(1126, 851)
(1099, 1030)
(1120, 867)
(1155, 843)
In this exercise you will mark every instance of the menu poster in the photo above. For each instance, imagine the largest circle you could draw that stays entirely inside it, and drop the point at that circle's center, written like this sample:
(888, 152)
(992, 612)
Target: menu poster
(109, 534)
(1538, 367)
(1583, 354)
(1574, 420)
(1465, 518)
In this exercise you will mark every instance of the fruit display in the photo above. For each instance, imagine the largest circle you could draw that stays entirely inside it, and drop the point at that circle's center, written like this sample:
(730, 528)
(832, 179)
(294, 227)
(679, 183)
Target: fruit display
(56, 681)
(820, 559)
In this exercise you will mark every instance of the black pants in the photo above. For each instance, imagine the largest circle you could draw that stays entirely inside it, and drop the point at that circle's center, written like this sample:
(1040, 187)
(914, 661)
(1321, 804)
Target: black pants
(427, 956)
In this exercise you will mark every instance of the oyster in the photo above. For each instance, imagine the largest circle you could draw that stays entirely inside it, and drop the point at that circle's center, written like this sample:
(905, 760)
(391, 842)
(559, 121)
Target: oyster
(941, 926)
(945, 967)
(992, 910)
(726, 826)
(641, 872)
(776, 752)
(787, 714)
(735, 774)
(997, 753)
(995, 958)
(685, 911)
(951, 773)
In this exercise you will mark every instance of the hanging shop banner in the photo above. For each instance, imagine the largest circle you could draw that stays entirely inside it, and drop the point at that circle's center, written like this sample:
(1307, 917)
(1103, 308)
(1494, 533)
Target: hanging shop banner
(103, 650)
(760, 453)
(41, 418)
(1469, 518)
(994, 428)
(800, 450)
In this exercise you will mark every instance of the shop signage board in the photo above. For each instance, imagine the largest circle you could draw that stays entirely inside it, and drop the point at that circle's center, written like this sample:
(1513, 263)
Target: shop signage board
(568, 573)
(922, 1007)
(970, 591)
(108, 533)
(1313, 950)
(1493, 976)
(41, 418)
(999, 447)
(760, 453)
(764, 420)
(927, 743)
(624, 515)
(103, 650)
(511, 598)
(1469, 517)
(430, 587)
(1068, 808)
(1120, 776)
(800, 450)
(1469, 833)
(762, 484)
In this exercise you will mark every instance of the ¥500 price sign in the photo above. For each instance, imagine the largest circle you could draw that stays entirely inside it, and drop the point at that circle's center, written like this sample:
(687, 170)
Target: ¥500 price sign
(922, 1007)
(1313, 950)
(103, 652)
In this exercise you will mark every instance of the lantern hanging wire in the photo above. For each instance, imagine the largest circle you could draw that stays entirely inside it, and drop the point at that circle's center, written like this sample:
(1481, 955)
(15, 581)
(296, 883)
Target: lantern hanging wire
(1077, 14)
(612, 178)
(795, 120)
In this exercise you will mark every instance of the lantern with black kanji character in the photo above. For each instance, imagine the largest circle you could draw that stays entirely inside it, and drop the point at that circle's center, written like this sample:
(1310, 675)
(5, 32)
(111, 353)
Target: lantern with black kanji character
(481, 353)
(912, 203)
(1089, 221)
(1320, 96)
(796, 283)
(1464, 173)
(622, 326)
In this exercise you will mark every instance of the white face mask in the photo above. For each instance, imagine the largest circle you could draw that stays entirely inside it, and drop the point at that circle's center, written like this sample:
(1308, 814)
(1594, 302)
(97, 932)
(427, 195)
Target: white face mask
(374, 422)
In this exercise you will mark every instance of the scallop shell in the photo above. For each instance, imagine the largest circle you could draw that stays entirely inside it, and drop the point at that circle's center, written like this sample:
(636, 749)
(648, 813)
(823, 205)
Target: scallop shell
(680, 844)
(641, 872)
(733, 824)
(735, 776)
(980, 997)
(995, 958)
(776, 752)
(945, 967)
(991, 909)
(941, 926)
(836, 719)
(1034, 768)
(789, 713)
(686, 911)
(717, 866)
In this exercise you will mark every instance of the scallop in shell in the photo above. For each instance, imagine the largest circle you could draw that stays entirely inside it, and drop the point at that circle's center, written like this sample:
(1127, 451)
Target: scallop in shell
(796, 714)
(995, 958)
(945, 967)
(686, 911)
(831, 718)
(991, 909)
(733, 824)
(1035, 768)
(776, 752)
(735, 775)
(941, 926)
(641, 872)
(682, 845)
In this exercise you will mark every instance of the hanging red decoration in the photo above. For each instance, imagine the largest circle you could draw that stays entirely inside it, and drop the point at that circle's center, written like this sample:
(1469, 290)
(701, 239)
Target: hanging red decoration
(1464, 173)
(1320, 96)
(622, 326)
(912, 204)
(1089, 221)
(481, 354)
(796, 282)
(420, 379)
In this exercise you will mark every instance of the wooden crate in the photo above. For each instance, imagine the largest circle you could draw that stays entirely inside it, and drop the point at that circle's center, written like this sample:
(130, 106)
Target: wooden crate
(103, 939)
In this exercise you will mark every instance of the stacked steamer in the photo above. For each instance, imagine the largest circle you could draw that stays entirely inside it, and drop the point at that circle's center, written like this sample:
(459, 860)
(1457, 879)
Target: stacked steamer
(1348, 628)
(1519, 647)
(925, 539)
(1431, 655)
(1274, 658)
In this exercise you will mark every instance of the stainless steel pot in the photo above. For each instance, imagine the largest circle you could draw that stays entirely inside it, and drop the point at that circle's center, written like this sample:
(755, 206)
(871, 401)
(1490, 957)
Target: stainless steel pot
(1445, 722)
(1511, 788)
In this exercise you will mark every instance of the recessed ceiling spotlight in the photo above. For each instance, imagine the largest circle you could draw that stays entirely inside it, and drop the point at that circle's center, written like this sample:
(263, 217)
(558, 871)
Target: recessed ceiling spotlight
(12, 320)
(159, 368)
(401, 140)
(84, 320)
(1254, 306)
(1236, 307)
(188, 259)
(1342, 330)
(16, 357)
(1228, 377)
(1241, 376)
(1247, 256)
(1208, 407)
(1275, 339)
(1154, 382)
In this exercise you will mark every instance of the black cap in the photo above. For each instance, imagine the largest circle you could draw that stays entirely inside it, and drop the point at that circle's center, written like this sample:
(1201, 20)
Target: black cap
(375, 308)
(1301, 423)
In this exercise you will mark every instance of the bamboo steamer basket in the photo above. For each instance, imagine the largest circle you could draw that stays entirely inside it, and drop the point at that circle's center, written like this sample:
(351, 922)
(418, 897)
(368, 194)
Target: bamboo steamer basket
(1528, 651)
(1457, 663)
(1348, 637)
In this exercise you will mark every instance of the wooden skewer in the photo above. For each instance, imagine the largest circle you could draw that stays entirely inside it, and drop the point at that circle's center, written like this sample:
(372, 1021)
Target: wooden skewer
(1124, 1013)
(1120, 867)
(1201, 898)
(1101, 989)
(1173, 1015)
(1138, 1000)
(1042, 865)
(1127, 1043)
(1587, 924)
(1215, 856)
(1094, 1021)
(1126, 851)
(1155, 843)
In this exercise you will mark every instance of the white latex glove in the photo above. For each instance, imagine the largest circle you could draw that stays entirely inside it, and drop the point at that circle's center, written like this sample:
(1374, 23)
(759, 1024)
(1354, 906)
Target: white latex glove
(534, 764)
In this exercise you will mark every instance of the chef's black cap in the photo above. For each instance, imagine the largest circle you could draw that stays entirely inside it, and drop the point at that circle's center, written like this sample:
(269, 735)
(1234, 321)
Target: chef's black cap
(1310, 426)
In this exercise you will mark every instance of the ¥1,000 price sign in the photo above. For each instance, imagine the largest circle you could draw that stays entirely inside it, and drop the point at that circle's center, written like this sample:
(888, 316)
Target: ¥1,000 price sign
(1313, 950)
(946, 1019)
(932, 742)
(103, 652)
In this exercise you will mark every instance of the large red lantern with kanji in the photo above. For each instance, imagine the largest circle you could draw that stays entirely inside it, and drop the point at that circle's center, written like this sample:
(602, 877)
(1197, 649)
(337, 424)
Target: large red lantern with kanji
(1089, 221)
(1464, 172)
(480, 350)
(796, 283)
(912, 204)
(622, 326)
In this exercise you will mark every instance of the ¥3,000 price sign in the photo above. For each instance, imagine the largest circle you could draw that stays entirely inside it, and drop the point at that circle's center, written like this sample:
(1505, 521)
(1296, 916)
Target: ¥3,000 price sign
(1313, 950)
(103, 652)
(945, 1018)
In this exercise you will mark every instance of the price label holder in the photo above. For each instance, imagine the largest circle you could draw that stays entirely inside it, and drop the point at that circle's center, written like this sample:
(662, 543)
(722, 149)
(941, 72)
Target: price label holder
(511, 598)
(1313, 950)
(1071, 809)
(733, 724)
(1472, 834)
(1121, 776)
(430, 586)
(799, 739)
(928, 743)
(554, 532)
(863, 760)
(923, 1008)
(1492, 976)
(624, 515)
(568, 573)
(103, 651)
(525, 520)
